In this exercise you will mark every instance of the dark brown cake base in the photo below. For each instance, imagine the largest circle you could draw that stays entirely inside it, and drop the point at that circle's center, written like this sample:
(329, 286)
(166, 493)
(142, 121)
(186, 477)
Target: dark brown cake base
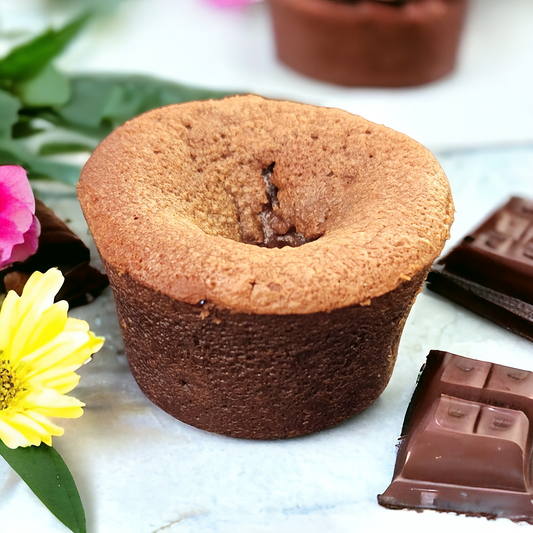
(260, 376)
(369, 43)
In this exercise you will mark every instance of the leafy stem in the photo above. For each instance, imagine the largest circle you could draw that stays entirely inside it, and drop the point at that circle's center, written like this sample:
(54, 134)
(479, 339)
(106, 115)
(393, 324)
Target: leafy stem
(45, 112)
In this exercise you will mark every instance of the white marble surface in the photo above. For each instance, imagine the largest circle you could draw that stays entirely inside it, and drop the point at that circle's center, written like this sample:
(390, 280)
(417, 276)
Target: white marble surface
(139, 470)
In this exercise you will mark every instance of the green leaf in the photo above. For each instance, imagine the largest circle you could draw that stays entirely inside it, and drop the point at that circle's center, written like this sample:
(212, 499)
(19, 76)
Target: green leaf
(14, 152)
(9, 107)
(103, 6)
(90, 97)
(47, 475)
(49, 88)
(28, 59)
(54, 148)
(97, 105)
(101, 102)
(63, 172)
(25, 128)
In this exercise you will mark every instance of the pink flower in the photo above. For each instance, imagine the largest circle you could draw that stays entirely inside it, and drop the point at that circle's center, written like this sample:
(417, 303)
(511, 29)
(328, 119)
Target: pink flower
(19, 227)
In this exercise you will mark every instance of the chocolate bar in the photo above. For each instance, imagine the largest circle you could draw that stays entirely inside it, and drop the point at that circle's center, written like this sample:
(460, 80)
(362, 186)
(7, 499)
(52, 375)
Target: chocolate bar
(491, 271)
(466, 442)
(59, 247)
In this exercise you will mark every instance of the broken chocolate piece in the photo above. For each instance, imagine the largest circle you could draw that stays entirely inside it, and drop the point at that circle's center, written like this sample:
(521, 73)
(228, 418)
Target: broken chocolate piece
(491, 271)
(466, 443)
(59, 247)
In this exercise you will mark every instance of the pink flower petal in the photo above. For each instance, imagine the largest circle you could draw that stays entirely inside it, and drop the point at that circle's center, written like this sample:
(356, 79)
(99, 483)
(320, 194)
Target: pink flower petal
(13, 178)
(19, 228)
(9, 237)
(11, 208)
(29, 246)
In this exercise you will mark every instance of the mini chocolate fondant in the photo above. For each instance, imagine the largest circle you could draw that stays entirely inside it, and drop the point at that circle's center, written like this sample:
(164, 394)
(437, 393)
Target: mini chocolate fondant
(264, 256)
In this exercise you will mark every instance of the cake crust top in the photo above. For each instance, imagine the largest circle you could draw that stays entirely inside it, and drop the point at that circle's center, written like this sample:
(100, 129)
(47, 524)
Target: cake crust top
(174, 197)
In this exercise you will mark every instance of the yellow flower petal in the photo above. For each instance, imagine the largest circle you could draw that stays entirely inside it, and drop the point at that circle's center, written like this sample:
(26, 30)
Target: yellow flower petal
(63, 383)
(10, 436)
(52, 322)
(67, 348)
(50, 403)
(48, 426)
(75, 324)
(40, 290)
(33, 431)
(41, 350)
(8, 309)
(37, 296)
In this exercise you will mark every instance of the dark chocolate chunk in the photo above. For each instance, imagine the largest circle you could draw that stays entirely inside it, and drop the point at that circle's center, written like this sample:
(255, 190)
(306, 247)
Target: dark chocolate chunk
(491, 271)
(466, 442)
(59, 247)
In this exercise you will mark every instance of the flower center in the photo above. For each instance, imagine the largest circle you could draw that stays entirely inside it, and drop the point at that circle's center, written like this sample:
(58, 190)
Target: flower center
(10, 385)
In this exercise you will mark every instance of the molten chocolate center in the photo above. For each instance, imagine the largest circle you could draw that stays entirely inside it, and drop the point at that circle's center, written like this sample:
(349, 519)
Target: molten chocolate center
(277, 232)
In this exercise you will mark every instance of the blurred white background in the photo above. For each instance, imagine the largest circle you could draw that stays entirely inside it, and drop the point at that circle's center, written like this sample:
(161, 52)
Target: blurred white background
(486, 101)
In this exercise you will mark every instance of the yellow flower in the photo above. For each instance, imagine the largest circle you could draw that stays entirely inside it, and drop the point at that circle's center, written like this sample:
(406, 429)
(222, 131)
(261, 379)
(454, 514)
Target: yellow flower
(40, 349)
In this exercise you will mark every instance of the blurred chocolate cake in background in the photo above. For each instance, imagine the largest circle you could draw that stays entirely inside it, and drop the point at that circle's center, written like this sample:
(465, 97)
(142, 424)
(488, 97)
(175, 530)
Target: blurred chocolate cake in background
(369, 43)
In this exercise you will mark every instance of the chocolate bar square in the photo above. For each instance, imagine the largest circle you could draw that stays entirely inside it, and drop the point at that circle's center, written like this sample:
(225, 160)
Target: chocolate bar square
(491, 271)
(466, 441)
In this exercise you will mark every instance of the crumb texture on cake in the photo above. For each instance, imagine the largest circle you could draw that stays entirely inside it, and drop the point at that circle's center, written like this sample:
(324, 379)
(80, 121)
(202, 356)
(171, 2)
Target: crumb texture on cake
(185, 200)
